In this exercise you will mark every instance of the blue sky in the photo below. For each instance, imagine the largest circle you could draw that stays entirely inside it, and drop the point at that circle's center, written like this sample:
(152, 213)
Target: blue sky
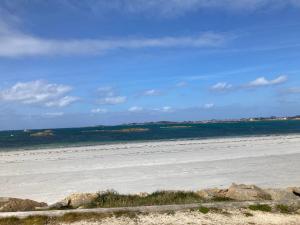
(66, 63)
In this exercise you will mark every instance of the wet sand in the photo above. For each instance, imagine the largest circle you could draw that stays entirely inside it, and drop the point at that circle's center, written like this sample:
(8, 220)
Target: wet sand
(51, 174)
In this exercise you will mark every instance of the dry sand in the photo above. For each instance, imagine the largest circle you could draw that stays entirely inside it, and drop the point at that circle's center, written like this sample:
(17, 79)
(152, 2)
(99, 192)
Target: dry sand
(51, 174)
(196, 218)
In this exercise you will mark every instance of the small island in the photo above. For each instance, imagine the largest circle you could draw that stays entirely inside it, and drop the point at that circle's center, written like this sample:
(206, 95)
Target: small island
(45, 133)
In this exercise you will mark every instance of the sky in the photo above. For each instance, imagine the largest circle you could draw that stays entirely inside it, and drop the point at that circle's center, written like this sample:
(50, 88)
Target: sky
(71, 63)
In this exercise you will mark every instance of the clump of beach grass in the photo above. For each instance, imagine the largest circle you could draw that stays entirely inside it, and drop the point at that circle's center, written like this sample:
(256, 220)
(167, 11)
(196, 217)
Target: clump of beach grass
(111, 199)
(204, 210)
(284, 208)
(221, 199)
(261, 207)
(31, 220)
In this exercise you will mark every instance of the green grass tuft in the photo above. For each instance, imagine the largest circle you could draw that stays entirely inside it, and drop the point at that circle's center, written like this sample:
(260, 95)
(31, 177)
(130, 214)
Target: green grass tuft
(221, 199)
(9, 221)
(111, 199)
(283, 209)
(261, 207)
(204, 210)
(129, 214)
(247, 214)
(31, 220)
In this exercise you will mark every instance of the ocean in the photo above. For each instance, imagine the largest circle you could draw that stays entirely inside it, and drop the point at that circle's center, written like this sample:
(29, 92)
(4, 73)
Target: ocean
(37, 139)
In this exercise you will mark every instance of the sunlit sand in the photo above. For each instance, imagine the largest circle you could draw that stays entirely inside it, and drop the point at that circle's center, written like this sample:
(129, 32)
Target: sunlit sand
(51, 174)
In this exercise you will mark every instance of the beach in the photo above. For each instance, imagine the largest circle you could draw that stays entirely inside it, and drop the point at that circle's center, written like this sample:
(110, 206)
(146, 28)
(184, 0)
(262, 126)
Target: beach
(51, 174)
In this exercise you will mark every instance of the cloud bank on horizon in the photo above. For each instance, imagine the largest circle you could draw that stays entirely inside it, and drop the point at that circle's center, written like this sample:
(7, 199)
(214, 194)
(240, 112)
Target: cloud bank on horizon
(118, 61)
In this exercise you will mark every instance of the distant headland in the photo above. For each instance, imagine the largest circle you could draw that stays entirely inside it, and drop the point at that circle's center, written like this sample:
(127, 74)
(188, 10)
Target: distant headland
(250, 119)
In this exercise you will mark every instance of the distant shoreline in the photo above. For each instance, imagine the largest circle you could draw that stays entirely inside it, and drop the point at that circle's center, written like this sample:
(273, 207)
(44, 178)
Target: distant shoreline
(99, 144)
(212, 121)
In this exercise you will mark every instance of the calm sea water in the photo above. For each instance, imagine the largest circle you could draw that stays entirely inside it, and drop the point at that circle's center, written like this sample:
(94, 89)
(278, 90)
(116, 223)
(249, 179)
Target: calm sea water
(112, 134)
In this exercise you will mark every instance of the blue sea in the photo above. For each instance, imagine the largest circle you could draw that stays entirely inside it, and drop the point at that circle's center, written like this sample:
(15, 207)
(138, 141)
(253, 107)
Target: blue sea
(36, 139)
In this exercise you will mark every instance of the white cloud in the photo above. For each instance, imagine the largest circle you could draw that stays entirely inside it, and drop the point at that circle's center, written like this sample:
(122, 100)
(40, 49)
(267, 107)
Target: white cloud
(99, 110)
(209, 105)
(64, 101)
(14, 43)
(106, 91)
(259, 82)
(114, 100)
(262, 81)
(135, 109)
(165, 109)
(279, 80)
(38, 92)
(181, 84)
(108, 96)
(54, 114)
(221, 86)
(152, 92)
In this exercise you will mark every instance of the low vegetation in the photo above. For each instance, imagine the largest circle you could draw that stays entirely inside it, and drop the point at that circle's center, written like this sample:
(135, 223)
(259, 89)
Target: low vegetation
(221, 199)
(204, 210)
(66, 218)
(261, 207)
(111, 199)
(31, 220)
(69, 218)
(247, 214)
(283, 209)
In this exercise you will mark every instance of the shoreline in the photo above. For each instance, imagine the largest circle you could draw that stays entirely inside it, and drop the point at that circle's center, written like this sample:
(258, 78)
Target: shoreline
(49, 175)
(153, 143)
(101, 144)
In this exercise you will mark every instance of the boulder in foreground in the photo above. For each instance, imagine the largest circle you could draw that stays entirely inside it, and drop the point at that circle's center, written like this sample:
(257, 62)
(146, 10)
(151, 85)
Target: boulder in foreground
(76, 200)
(244, 192)
(239, 192)
(212, 193)
(283, 195)
(16, 204)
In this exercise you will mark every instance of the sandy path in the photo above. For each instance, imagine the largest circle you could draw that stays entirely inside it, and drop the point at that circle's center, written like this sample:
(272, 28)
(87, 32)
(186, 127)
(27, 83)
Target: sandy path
(195, 218)
(49, 175)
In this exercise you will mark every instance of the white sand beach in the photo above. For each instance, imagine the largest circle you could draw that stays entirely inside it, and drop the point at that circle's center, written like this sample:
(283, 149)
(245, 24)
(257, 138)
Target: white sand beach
(51, 174)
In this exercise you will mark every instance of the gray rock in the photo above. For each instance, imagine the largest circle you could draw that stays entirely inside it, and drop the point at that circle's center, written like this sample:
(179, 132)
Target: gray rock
(16, 204)
(295, 190)
(212, 193)
(78, 200)
(59, 205)
(284, 195)
(244, 192)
